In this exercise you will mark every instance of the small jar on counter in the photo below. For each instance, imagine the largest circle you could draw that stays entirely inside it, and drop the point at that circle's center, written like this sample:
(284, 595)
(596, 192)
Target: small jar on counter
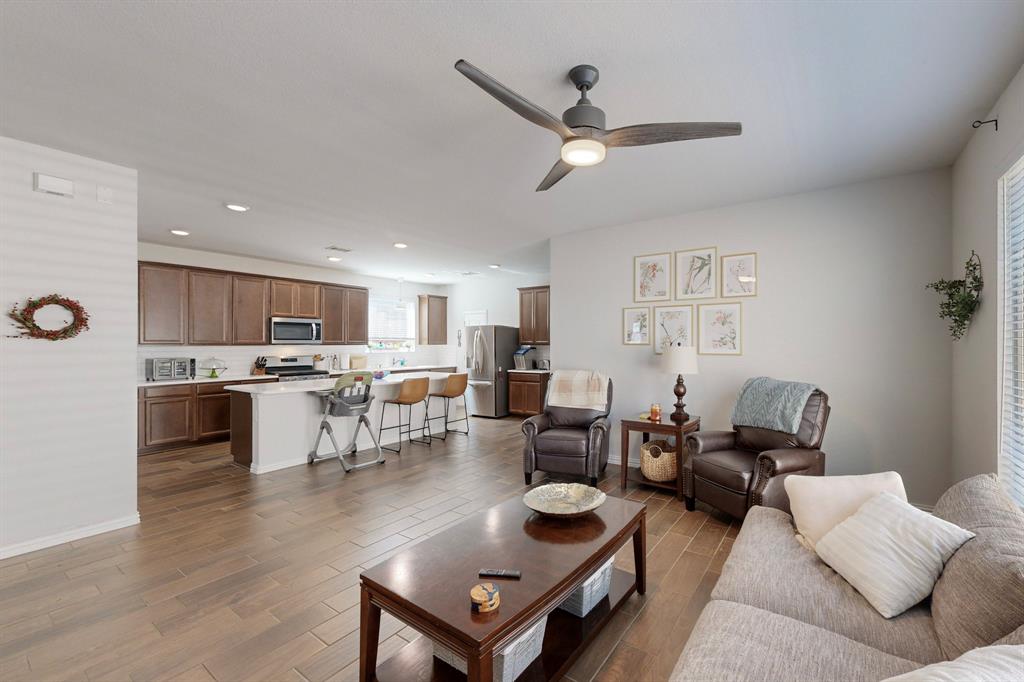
(655, 415)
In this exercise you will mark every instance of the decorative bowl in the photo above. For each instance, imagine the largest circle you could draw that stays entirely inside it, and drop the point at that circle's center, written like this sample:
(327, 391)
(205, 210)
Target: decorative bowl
(564, 500)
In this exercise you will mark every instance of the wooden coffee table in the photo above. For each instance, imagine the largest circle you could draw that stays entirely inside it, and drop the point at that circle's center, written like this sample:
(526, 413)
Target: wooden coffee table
(427, 587)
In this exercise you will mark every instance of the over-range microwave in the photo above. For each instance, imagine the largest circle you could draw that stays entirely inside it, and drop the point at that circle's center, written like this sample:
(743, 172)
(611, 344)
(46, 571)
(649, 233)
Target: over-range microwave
(296, 330)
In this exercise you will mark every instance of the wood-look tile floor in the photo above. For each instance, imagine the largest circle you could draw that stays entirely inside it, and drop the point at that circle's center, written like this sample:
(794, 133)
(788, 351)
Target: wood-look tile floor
(236, 577)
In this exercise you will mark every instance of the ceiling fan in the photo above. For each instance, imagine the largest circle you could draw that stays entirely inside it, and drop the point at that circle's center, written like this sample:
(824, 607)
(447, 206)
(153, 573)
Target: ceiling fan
(584, 139)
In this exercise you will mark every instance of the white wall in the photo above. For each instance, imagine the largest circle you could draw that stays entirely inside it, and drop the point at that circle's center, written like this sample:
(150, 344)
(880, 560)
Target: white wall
(67, 408)
(239, 358)
(985, 159)
(498, 294)
(842, 304)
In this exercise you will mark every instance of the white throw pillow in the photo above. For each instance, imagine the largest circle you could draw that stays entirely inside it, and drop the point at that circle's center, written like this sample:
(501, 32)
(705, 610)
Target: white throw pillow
(820, 503)
(998, 663)
(891, 552)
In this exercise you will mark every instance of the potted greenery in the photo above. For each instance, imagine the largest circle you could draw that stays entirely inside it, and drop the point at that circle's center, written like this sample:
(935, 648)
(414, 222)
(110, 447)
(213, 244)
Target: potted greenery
(961, 296)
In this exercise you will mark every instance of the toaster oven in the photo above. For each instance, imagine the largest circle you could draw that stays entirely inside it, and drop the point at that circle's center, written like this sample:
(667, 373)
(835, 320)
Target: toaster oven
(168, 369)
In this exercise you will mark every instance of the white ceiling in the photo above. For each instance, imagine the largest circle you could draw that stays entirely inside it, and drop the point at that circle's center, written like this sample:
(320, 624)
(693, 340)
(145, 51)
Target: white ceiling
(346, 124)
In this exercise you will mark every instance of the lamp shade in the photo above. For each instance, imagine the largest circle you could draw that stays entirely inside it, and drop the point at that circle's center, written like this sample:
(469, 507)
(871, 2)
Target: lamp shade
(680, 359)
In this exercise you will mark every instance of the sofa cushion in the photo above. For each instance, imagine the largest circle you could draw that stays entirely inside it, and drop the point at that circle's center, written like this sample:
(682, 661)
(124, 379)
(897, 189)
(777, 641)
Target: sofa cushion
(561, 441)
(820, 503)
(730, 469)
(769, 569)
(980, 595)
(736, 643)
(1002, 663)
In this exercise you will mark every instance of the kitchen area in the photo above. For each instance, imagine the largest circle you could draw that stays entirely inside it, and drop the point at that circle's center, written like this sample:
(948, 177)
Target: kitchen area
(246, 357)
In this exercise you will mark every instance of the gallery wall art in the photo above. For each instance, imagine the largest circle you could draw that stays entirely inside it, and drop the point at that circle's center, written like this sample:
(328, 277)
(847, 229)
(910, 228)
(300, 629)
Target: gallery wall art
(696, 273)
(636, 326)
(652, 277)
(673, 325)
(739, 275)
(720, 328)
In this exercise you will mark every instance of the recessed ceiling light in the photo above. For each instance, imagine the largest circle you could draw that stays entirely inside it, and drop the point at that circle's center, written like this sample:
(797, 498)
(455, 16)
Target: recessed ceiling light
(494, 266)
(334, 259)
(400, 245)
(238, 208)
(179, 233)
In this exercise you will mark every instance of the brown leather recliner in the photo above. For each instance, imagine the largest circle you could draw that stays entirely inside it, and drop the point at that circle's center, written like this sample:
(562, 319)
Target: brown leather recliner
(567, 440)
(735, 470)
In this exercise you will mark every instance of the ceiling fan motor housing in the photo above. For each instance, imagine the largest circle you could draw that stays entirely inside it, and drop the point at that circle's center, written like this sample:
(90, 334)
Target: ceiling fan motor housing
(584, 116)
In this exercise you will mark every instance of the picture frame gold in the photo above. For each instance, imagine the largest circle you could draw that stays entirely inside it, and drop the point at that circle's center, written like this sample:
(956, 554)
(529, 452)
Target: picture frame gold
(691, 312)
(723, 274)
(705, 346)
(711, 253)
(627, 326)
(667, 296)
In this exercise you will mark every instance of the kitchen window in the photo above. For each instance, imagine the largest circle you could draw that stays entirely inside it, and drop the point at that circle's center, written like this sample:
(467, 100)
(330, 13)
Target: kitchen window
(392, 326)
(1011, 252)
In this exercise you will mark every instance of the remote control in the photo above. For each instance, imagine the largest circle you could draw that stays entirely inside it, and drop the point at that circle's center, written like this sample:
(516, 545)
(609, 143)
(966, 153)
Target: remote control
(500, 573)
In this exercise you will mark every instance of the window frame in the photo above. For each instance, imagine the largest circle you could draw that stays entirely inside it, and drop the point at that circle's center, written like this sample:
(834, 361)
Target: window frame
(1010, 465)
(394, 344)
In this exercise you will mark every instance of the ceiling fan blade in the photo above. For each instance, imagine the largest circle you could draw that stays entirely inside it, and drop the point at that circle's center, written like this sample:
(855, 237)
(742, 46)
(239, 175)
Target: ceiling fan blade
(517, 103)
(656, 133)
(557, 172)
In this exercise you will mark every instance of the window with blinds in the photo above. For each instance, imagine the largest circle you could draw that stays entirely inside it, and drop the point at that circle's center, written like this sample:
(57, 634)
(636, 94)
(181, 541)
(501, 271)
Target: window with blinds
(392, 325)
(1011, 423)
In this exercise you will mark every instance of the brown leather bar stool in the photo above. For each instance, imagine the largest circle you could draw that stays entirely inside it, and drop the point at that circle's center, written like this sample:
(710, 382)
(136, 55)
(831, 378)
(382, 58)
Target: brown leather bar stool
(412, 392)
(454, 388)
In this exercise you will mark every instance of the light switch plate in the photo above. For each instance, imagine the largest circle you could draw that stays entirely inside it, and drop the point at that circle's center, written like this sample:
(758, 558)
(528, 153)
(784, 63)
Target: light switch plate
(104, 195)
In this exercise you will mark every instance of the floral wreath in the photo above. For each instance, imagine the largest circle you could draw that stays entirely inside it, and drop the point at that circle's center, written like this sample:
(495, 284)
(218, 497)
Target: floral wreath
(25, 318)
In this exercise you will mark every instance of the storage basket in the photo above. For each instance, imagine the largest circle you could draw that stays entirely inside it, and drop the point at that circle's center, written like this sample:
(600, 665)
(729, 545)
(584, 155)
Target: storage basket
(512, 660)
(658, 460)
(593, 590)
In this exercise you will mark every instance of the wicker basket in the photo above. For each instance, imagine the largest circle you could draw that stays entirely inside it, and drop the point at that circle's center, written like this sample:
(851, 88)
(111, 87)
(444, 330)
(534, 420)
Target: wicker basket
(658, 460)
(512, 660)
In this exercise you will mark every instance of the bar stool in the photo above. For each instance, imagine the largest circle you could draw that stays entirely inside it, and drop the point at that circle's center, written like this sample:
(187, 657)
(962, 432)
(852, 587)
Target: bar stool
(412, 392)
(454, 387)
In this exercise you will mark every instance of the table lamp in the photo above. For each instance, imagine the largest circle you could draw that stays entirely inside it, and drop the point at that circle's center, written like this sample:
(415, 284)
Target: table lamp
(681, 360)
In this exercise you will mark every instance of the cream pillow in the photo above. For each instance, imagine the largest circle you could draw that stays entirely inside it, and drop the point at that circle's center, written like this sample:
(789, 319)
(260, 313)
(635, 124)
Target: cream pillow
(998, 663)
(819, 503)
(891, 552)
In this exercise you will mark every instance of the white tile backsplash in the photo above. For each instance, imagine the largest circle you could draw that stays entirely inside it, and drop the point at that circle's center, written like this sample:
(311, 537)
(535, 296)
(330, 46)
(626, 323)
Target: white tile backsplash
(239, 359)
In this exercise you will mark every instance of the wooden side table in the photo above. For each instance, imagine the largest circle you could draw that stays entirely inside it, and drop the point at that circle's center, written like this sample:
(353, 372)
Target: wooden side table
(662, 428)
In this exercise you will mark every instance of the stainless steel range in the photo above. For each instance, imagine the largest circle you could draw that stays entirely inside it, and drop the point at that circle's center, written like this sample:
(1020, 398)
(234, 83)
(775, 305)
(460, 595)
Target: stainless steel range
(295, 368)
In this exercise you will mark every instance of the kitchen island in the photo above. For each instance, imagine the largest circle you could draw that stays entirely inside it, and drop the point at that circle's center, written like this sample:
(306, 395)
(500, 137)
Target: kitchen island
(274, 425)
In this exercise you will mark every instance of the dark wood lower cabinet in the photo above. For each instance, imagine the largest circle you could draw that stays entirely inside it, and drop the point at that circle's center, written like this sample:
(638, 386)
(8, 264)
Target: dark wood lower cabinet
(173, 416)
(526, 391)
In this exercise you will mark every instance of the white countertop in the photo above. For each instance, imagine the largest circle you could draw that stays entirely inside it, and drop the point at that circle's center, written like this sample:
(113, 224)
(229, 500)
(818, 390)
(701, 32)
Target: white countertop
(289, 387)
(530, 371)
(206, 380)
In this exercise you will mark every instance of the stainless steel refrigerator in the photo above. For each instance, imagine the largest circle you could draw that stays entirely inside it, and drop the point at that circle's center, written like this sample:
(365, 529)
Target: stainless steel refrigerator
(489, 356)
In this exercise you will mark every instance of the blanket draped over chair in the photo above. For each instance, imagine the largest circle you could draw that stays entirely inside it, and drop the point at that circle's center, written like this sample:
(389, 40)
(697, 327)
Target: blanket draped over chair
(580, 388)
(767, 403)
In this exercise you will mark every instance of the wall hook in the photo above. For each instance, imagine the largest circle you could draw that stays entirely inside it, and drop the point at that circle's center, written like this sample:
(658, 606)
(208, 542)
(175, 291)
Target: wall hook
(978, 124)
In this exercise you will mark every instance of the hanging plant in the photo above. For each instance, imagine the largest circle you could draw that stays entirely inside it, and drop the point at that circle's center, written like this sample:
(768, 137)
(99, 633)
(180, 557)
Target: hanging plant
(25, 318)
(961, 296)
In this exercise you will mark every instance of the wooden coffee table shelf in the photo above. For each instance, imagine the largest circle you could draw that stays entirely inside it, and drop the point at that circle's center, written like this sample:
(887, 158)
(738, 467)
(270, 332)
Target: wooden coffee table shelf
(427, 587)
(565, 638)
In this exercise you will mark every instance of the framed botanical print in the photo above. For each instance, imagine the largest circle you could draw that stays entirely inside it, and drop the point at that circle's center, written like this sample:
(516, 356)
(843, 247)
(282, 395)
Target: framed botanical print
(652, 277)
(672, 324)
(696, 273)
(636, 326)
(739, 275)
(720, 328)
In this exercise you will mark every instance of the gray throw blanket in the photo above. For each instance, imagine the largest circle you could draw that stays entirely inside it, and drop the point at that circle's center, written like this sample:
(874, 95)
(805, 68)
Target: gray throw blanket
(768, 403)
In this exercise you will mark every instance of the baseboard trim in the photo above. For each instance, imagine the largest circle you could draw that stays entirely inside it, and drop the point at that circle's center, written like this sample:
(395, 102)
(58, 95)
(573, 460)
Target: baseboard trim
(68, 536)
(280, 465)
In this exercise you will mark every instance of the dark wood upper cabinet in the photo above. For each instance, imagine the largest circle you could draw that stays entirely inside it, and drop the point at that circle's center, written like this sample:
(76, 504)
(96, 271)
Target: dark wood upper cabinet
(332, 311)
(294, 299)
(432, 326)
(357, 316)
(534, 315)
(250, 310)
(163, 304)
(209, 308)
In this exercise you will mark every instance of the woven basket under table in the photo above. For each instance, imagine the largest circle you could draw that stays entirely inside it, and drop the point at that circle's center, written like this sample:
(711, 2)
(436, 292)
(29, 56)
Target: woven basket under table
(658, 461)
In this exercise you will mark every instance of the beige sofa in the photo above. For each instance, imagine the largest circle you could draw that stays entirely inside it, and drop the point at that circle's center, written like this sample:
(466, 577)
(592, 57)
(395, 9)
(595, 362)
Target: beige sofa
(779, 613)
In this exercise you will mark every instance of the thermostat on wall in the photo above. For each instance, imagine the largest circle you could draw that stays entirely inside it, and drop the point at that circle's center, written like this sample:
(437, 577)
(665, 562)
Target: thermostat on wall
(53, 185)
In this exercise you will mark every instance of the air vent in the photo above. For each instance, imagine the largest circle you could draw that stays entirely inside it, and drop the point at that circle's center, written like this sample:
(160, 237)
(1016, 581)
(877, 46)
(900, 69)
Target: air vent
(342, 249)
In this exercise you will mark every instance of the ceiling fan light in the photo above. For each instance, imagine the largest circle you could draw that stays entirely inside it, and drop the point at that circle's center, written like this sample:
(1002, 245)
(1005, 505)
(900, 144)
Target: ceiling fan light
(583, 151)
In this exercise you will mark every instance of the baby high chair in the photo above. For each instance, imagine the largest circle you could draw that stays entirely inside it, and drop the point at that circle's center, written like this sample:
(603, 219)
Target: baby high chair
(350, 397)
